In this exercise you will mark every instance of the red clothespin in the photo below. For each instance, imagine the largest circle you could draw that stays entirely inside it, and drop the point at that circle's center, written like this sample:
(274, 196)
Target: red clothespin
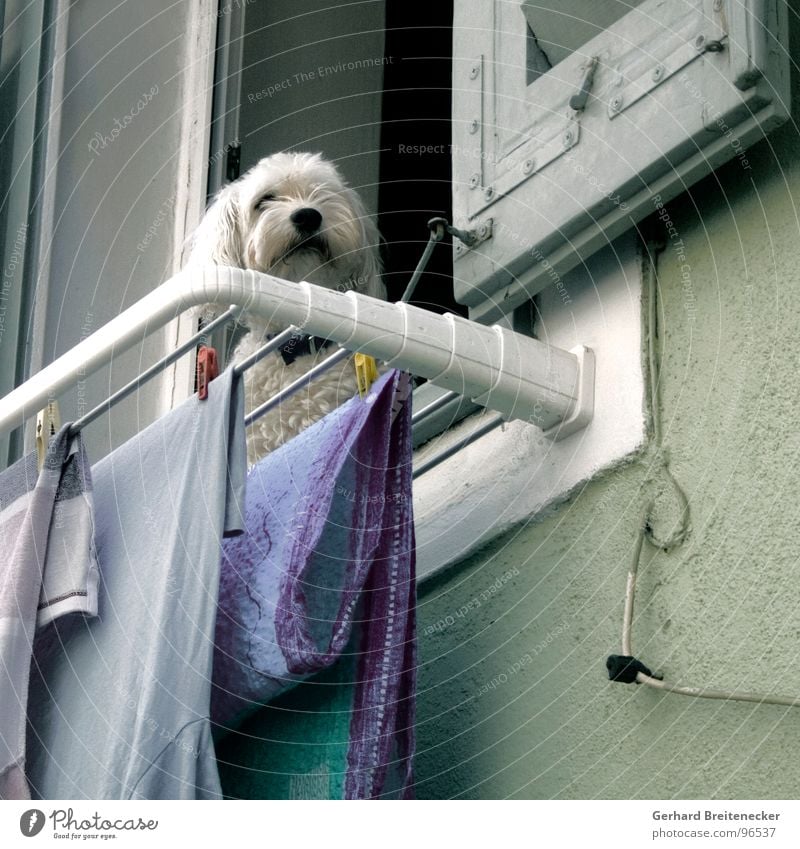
(207, 369)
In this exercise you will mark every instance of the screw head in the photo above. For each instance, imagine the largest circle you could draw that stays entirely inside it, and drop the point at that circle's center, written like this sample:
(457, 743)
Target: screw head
(528, 166)
(483, 231)
(474, 181)
(473, 126)
(700, 42)
(488, 193)
(474, 71)
(568, 138)
(658, 72)
(616, 103)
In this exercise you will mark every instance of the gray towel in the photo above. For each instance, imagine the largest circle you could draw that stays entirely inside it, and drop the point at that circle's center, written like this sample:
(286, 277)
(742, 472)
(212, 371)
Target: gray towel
(49, 569)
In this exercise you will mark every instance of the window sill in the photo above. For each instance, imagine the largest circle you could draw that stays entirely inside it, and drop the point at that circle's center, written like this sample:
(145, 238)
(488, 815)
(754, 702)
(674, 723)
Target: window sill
(514, 473)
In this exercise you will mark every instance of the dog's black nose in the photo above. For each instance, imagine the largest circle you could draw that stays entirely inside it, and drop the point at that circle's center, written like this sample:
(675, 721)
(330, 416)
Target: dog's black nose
(307, 219)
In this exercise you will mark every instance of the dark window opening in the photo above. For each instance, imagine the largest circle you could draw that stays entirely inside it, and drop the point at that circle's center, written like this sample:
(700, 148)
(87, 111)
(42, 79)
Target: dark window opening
(415, 165)
(537, 62)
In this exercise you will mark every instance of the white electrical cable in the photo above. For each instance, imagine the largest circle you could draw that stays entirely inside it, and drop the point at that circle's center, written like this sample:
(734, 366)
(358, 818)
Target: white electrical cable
(698, 692)
(675, 538)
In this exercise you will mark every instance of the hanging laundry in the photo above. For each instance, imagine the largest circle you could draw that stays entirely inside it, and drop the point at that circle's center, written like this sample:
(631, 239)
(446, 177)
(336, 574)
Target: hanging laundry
(121, 707)
(323, 579)
(49, 570)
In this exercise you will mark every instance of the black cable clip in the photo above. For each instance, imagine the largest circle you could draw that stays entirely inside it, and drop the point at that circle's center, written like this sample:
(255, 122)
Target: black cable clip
(624, 668)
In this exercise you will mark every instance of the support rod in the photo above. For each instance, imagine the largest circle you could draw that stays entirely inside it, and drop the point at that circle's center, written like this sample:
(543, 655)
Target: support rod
(519, 377)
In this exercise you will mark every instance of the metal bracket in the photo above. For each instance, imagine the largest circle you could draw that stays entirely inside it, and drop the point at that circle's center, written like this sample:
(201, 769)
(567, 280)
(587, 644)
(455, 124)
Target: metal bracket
(465, 240)
(529, 159)
(554, 133)
(632, 90)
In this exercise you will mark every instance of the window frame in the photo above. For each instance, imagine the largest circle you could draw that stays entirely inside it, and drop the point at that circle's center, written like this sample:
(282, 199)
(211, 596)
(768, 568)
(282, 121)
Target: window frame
(56, 68)
(25, 90)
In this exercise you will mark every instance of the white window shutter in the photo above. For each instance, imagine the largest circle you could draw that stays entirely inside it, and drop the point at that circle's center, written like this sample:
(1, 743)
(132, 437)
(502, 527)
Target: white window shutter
(671, 90)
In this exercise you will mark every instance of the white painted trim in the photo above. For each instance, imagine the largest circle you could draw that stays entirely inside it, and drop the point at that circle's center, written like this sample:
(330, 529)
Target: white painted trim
(515, 474)
(192, 179)
(47, 217)
(227, 75)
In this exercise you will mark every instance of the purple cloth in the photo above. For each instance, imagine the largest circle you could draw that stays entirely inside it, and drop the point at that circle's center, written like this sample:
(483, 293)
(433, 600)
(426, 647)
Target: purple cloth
(325, 573)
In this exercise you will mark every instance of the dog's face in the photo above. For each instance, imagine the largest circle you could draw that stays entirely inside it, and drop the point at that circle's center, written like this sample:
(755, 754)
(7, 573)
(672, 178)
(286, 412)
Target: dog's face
(293, 216)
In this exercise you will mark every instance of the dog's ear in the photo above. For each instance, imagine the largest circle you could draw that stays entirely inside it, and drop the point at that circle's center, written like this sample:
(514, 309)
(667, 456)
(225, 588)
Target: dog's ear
(218, 238)
(369, 278)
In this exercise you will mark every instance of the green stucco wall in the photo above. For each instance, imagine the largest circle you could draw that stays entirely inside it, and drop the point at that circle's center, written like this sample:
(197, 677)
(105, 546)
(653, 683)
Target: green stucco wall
(514, 699)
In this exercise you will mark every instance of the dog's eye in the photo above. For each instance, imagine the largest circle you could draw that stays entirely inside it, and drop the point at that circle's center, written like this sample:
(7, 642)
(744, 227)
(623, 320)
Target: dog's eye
(264, 200)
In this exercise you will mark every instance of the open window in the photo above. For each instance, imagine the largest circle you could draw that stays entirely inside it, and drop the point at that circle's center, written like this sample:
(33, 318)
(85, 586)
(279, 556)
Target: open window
(102, 143)
(572, 117)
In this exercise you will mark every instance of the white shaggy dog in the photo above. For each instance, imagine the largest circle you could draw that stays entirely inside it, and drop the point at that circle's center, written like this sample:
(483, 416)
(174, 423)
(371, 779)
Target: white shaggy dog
(293, 216)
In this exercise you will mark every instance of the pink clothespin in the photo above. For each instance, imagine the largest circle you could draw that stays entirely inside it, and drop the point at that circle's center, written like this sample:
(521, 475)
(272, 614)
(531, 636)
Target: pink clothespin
(207, 369)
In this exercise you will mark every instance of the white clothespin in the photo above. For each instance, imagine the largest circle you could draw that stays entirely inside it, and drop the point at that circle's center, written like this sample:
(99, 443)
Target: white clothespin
(48, 424)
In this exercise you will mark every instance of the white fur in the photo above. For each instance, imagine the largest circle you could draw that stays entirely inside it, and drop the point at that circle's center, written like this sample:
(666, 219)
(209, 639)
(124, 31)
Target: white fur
(343, 255)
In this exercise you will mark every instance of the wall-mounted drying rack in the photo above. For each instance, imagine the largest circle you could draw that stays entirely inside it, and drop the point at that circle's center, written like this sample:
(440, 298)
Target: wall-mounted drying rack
(517, 376)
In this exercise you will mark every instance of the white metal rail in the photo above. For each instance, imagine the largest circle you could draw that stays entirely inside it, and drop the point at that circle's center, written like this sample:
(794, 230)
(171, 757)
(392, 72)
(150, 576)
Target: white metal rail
(519, 377)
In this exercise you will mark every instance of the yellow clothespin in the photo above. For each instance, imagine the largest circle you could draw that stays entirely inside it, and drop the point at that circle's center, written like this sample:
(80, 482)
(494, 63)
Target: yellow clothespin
(48, 424)
(366, 372)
